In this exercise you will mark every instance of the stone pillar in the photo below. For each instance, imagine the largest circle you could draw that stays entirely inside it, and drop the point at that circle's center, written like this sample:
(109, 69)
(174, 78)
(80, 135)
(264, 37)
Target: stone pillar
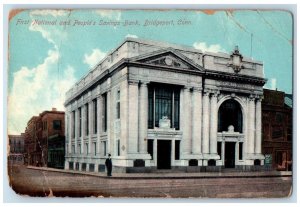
(109, 146)
(258, 127)
(133, 115)
(99, 120)
(143, 117)
(76, 130)
(251, 129)
(205, 128)
(70, 133)
(186, 137)
(83, 128)
(91, 113)
(197, 121)
(124, 118)
(213, 123)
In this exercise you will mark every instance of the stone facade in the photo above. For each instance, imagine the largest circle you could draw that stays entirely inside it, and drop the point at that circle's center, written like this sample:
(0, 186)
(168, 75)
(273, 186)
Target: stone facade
(155, 105)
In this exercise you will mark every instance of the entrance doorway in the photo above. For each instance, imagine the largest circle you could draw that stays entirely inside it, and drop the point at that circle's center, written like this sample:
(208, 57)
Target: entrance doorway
(164, 154)
(229, 154)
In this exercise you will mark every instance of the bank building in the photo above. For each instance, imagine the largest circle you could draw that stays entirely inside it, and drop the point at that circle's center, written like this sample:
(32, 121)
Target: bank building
(154, 105)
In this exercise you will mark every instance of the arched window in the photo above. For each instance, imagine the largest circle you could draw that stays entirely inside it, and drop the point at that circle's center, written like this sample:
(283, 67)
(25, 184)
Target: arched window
(230, 113)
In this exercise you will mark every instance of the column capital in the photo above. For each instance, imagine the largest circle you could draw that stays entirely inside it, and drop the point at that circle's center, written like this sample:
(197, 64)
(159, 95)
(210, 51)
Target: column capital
(206, 93)
(197, 89)
(133, 82)
(259, 98)
(215, 93)
(251, 97)
(186, 87)
(144, 83)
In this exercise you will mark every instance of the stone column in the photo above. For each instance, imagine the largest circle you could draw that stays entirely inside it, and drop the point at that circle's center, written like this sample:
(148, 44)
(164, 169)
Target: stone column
(99, 122)
(109, 146)
(186, 138)
(133, 109)
(83, 128)
(76, 129)
(91, 113)
(213, 123)
(205, 117)
(124, 116)
(196, 123)
(70, 132)
(251, 129)
(143, 117)
(258, 127)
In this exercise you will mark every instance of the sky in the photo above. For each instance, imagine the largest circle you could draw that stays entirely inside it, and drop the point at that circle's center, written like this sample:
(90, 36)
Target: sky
(49, 50)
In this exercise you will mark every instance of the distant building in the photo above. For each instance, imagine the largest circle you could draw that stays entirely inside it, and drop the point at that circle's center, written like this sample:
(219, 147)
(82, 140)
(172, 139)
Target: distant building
(154, 105)
(277, 120)
(16, 149)
(39, 133)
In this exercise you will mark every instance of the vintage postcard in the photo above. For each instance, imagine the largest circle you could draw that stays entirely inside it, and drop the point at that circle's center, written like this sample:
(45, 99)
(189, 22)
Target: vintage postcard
(150, 103)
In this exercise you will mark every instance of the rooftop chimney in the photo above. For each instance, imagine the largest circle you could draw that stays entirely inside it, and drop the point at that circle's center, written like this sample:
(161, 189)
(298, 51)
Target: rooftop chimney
(54, 109)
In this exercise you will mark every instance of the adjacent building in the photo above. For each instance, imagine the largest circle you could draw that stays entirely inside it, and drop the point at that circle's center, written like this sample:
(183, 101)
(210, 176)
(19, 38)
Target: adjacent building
(16, 149)
(154, 105)
(44, 139)
(277, 128)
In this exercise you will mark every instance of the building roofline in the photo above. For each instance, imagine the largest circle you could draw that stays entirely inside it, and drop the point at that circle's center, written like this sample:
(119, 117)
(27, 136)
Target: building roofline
(162, 45)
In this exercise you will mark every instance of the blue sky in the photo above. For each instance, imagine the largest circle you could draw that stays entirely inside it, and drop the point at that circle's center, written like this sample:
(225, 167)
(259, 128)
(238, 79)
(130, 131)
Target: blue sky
(46, 60)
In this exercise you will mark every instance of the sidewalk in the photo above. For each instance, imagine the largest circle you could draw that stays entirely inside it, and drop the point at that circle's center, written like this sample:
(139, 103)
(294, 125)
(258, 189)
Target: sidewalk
(163, 175)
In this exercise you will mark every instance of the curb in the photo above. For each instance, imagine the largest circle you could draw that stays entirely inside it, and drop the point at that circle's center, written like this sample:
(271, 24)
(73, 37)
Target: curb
(131, 176)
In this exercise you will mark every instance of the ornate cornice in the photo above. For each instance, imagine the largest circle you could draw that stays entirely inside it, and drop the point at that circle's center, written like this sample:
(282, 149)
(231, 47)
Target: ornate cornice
(234, 77)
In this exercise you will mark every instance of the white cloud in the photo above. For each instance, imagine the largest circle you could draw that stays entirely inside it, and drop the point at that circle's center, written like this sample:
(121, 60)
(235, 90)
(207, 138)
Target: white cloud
(52, 12)
(110, 14)
(37, 89)
(46, 34)
(131, 35)
(208, 48)
(93, 58)
(53, 34)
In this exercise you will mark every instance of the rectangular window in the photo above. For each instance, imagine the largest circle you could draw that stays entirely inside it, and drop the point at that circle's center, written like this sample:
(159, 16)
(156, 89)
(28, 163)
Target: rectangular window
(87, 148)
(240, 151)
(95, 148)
(163, 101)
(104, 148)
(87, 119)
(95, 115)
(73, 149)
(104, 109)
(118, 105)
(118, 144)
(219, 148)
(150, 107)
(150, 148)
(80, 121)
(177, 149)
(57, 124)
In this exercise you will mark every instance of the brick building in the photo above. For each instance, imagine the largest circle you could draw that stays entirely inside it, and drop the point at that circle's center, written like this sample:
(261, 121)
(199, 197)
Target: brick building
(277, 120)
(40, 129)
(16, 149)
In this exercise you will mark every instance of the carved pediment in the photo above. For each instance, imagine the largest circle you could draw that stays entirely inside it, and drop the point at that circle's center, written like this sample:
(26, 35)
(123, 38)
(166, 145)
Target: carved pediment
(168, 59)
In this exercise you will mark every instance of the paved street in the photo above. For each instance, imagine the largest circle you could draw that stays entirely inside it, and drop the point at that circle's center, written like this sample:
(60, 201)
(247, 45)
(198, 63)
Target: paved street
(45, 182)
